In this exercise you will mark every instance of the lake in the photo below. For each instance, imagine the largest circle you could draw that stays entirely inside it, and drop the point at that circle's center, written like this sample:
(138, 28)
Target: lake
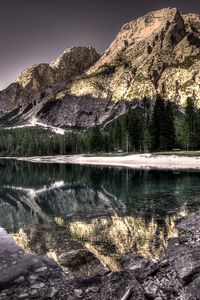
(112, 211)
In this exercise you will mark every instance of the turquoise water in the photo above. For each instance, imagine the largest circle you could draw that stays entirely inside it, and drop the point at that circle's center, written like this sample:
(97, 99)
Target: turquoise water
(33, 192)
(110, 206)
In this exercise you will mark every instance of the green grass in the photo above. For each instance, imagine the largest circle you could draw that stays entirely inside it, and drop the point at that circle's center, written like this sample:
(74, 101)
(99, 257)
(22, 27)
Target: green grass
(187, 63)
(117, 154)
(105, 70)
(188, 83)
(178, 153)
(140, 78)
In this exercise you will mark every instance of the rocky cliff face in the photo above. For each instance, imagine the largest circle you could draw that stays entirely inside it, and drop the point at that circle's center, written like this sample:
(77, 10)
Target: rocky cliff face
(70, 63)
(157, 53)
(40, 81)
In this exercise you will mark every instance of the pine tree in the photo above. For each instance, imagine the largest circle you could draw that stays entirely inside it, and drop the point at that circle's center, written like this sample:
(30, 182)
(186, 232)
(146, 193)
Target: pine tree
(118, 136)
(182, 133)
(170, 126)
(134, 131)
(197, 138)
(96, 140)
(146, 136)
(146, 140)
(158, 125)
(190, 119)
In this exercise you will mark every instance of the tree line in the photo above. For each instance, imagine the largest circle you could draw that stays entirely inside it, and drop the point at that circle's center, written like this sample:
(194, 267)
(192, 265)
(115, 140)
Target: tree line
(158, 127)
(163, 127)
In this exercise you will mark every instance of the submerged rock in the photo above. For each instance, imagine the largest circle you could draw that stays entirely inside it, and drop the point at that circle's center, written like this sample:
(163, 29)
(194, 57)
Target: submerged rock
(177, 277)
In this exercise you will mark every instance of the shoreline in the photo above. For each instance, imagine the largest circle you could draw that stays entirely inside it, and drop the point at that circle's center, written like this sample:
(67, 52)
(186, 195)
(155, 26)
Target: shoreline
(134, 161)
(176, 276)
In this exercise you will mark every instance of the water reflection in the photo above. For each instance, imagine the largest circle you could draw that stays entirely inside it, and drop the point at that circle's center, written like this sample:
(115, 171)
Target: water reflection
(111, 211)
(109, 239)
(123, 235)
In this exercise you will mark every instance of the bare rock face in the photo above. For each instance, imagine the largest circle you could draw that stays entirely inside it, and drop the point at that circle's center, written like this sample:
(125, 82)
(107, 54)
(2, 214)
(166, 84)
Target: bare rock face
(70, 63)
(74, 61)
(40, 81)
(7, 98)
(159, 52)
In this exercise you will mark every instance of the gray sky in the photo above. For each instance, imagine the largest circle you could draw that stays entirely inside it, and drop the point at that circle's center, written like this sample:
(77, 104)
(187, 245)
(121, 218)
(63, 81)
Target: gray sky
(35, 31)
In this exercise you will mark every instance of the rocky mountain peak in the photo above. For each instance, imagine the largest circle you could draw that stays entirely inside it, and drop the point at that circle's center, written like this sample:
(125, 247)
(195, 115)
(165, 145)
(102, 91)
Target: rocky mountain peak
(144, 31)
(40, 80)
(157, 53)
(72, 62)
(79, 58)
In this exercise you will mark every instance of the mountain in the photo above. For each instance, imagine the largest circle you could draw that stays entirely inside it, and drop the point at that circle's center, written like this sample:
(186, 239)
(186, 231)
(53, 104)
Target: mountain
(157, 53)
(39, 81)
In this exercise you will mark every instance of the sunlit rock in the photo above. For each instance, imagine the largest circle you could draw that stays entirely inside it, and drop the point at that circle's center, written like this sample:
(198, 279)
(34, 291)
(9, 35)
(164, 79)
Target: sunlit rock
(156, 53)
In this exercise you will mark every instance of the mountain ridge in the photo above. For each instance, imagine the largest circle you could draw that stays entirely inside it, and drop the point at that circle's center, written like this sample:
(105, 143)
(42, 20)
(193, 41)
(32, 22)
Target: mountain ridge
(156, 53)
(36, 81)
(140, 62)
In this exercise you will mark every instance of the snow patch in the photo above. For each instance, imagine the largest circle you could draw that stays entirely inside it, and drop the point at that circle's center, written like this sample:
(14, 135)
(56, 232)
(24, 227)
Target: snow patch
(57, 130)
(33, 122)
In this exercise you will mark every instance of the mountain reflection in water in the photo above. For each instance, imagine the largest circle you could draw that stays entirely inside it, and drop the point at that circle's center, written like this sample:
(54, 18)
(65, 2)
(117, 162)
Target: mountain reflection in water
(51, 209)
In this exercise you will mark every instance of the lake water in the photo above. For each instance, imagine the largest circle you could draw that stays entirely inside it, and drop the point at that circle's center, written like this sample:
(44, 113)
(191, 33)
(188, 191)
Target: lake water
(112, 211)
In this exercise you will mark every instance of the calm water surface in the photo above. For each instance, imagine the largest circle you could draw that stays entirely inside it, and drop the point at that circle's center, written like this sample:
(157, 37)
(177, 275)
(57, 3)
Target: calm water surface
(110, 210)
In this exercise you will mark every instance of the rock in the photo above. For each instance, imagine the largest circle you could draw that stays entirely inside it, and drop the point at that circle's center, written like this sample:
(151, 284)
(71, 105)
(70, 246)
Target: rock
(3, 296)
(81, 111)
(177, 277)
(72, 62)
(148, 268)
(132, 71)
(184, 252)
(190, 223)
(187, 262)
(11, 273)
(33, 278)
(35, 83)
(152, 289)
(20, 280)
(51, 293)
(133, 261)
(93, 289)
(156, 53)
(78, 292)
(23, 296)
(114, 286)
(75, 258)
(42, 269)
(193, 290)
(33, 294)
(39, 285)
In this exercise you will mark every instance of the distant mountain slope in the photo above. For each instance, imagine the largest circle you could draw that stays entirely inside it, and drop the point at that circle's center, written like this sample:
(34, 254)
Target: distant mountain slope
(157, 53)
(40, 81)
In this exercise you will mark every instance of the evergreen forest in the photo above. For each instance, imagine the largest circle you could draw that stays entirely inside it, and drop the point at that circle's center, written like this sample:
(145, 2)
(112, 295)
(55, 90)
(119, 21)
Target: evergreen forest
(159, 127)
